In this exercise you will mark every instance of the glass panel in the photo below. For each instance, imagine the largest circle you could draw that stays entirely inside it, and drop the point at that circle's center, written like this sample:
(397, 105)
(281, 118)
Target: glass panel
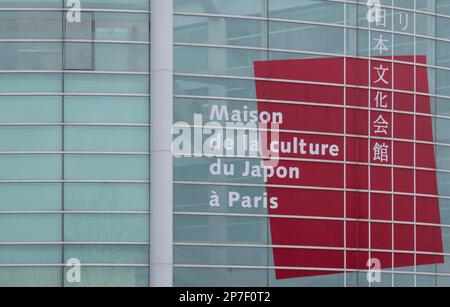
(443, 82)
(442, 281)
(426, 25)
(30, 3)
(241, 277)
(39, 109)
(218, 87)
(106, 109)
(101, 83)
(221, 31)
(443, 54)
(442, 27)
(30, 56)
(221, 61)
(195, 198)
(230, 7)
(443, 7)
(30, 25)
(111, 277)
(308, 10)
(30, 138)
(30, 197)
(128, 27)
(220, 229)
(118, 4)
(426, 281)
(106, 197)
(36, 83)
(78, 56)
(221, 255)
(30, 227)
(103, 167)
(30, 167)
(121, 57)
(116, 139)
(108, 254)
(30, 277)
(80, 30)
(106, 228)
(30, 254)
(309, 38)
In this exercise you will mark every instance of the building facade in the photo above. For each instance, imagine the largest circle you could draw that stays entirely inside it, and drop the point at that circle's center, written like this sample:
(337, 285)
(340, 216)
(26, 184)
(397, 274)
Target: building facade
(351, 99)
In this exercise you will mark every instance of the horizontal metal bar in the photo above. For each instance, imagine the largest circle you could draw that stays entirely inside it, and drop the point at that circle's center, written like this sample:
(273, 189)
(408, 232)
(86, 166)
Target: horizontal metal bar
(141, 11)
(306, 247)
(73, 94)
(217, 245)
(73, 124)
(74, 181)
(71, 71)
(337, 85)
(311, 218)
(40, 243)
(352, 2)
(201, 45)
(358, 136)
(200, 155)
(229, 184)
(236, 267)
(73, 212)
(300, 187)
(89, 153)
(317, 269)
(84, 9)
(312, 53)
(345, 162)
(85, 265)
(314, 104)
(67, 40)
(314, 23)
(227, 214)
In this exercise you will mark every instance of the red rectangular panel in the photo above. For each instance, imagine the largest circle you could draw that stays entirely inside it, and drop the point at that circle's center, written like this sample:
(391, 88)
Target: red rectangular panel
(318, 109)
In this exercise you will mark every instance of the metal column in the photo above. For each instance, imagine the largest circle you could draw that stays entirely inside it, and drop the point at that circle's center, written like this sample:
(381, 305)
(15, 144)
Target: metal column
(161, 175)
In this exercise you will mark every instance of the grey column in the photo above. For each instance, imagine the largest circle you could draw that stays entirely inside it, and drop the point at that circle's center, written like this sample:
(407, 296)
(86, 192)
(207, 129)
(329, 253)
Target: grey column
(161, 175)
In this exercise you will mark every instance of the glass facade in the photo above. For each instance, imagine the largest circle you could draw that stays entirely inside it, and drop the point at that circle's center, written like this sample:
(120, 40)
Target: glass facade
(74, 107)
(75, 142)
